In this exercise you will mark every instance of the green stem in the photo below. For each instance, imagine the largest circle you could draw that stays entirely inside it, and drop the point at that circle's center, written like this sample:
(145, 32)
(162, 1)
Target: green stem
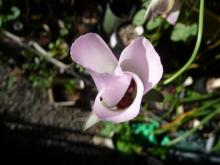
(199, 98)
(173, 106)
(175, 102)
(188, 133)
(197, 112)
(196, 49)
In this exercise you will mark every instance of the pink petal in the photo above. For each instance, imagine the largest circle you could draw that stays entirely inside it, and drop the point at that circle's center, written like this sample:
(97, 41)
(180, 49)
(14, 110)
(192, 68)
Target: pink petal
(109, 114)
(91, 52)
(174, 13)
(170, 13)
(115, 86)
(156, 7)
(160, 6)
(141, 58)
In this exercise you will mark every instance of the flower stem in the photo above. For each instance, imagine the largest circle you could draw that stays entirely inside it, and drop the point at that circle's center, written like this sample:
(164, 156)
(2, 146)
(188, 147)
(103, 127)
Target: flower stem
(188, 133)
(196, 49)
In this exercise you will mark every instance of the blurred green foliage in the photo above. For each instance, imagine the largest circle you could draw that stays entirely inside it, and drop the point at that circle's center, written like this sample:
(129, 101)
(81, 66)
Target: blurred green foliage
(139, 17)
(182, 32)
(59, 49)
(7, 16)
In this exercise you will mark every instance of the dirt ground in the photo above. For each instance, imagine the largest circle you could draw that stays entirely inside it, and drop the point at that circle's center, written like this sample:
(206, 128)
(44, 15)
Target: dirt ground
(29, 104)
(35, 131)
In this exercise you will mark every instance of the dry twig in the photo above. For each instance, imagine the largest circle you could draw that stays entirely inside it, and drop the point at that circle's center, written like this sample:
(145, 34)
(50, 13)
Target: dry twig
(39, 51)
(36, 49)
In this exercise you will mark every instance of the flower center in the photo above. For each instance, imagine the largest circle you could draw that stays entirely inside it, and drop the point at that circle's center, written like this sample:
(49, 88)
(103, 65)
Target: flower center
(129, 96)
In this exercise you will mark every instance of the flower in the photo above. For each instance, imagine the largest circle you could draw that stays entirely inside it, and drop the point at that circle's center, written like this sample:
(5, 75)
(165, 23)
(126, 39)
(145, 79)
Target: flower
(169, 9)
(121, 83)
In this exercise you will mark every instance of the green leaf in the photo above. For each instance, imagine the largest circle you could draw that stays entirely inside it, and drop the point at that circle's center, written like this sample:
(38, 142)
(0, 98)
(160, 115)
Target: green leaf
(153, 95)
(146, 3)
(111, 21)
(216, 147)
(165, 141)
(107, 129)
(10, 83)
(146, 130)
(128, 147)
(139, 18)
(182, 32)
(15, 13)
(152, 139)
(153, 24)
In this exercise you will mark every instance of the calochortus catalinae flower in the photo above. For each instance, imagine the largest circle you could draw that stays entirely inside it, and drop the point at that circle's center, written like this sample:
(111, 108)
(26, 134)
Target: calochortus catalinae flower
(169, 9)
(121, 83)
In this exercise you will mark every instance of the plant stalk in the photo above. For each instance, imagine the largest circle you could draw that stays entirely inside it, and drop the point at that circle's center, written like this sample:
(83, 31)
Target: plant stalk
(197, 46)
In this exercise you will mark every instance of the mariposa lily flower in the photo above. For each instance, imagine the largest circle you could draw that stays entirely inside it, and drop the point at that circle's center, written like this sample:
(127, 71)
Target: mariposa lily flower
(121, 83)
(169, 9)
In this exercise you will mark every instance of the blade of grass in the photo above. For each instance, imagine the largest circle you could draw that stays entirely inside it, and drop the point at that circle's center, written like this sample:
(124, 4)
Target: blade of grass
(190, 132)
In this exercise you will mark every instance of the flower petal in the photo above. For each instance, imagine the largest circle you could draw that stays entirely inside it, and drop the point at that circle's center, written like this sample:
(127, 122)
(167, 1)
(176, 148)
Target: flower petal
(91, 52)
(141, 58)
(115, 86)
(174, 13)
(106, 113)
(156, 7)
(169, 9)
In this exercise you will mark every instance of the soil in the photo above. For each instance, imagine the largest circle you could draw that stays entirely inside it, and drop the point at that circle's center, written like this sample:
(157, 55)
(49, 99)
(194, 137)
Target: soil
(35, 131)
(31, 125)
(32, 105)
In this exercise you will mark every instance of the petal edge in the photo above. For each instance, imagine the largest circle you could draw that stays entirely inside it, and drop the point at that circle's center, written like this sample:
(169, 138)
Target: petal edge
(90, 51)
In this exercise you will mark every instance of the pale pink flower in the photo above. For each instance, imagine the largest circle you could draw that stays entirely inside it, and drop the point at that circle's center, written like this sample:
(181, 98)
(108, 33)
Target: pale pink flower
(121, 83)
(169, 9)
